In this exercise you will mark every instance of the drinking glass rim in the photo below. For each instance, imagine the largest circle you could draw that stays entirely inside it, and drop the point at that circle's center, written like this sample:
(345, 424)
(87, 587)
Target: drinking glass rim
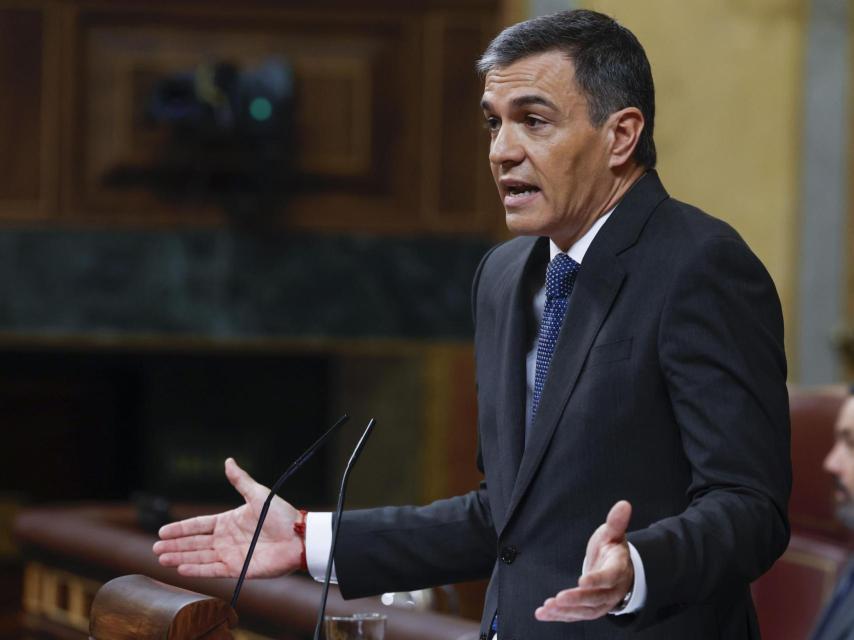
(357, 616)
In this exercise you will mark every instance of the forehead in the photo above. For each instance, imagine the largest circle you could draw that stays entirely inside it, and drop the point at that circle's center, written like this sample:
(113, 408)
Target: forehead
(551, 74)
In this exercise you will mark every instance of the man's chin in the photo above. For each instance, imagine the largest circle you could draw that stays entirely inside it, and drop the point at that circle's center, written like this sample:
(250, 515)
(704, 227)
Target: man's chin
(520, 224)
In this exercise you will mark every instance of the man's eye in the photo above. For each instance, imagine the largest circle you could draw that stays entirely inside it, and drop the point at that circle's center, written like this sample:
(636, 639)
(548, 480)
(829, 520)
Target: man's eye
(533, 122)
(491, 124)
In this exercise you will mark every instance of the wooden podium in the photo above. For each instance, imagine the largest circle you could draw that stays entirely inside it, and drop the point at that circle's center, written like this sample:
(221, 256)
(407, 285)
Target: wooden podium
(139, 608)
(72, 552)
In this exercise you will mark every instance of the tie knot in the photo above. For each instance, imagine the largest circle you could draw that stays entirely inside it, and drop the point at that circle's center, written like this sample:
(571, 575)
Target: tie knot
(560, 276)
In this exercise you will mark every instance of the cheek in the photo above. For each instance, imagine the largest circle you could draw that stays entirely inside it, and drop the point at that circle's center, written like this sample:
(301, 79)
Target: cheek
(845, 466)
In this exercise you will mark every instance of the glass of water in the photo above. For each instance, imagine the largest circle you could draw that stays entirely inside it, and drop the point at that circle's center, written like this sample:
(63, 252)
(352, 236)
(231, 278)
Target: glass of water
(359, 626)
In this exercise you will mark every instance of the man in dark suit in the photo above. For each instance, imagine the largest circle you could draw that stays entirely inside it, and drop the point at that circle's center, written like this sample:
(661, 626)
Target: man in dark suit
(836, 622)
(632, 409)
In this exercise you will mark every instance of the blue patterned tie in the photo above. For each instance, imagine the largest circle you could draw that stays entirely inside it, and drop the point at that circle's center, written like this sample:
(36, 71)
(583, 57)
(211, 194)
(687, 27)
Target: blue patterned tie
(560, 278)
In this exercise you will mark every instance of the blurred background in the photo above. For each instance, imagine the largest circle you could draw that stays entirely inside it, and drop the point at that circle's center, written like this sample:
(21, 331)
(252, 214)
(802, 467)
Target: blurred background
(223, 224)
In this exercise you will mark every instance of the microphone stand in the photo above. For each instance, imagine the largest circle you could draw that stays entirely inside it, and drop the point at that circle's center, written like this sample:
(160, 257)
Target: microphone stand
(287, 474)
(337, 525)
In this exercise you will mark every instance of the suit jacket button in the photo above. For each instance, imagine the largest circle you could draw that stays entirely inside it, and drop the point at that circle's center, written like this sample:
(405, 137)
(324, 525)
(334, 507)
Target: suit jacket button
(508, 554)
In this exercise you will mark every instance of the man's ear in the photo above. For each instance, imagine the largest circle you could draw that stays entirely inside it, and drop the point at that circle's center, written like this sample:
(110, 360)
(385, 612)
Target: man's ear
(625, 127)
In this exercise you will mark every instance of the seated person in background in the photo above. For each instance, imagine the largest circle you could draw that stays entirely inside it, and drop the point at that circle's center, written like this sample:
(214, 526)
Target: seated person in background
(837, 620)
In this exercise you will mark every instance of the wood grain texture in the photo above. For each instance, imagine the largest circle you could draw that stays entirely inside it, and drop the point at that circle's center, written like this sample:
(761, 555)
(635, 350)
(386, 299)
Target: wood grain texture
(138, 608)
(386, 121)
(20, 130)
(27, 112)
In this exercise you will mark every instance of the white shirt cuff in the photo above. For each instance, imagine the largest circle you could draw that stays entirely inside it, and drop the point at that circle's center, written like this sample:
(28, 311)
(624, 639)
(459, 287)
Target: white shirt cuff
(638, 599)
(318, 541)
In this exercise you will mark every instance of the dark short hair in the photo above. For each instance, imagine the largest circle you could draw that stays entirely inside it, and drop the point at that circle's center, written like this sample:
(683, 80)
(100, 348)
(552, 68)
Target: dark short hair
(611, 67)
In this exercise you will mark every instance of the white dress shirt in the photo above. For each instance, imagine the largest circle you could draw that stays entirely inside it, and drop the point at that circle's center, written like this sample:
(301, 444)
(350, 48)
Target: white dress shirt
(318, 526)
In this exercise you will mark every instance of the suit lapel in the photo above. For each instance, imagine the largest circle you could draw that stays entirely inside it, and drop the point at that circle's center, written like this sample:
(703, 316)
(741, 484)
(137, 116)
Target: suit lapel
(596, 288)
(841, 625)
(513, 332)
(591, 299)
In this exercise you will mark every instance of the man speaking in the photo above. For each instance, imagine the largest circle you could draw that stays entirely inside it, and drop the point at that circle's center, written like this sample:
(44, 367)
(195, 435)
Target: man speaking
(632, 409)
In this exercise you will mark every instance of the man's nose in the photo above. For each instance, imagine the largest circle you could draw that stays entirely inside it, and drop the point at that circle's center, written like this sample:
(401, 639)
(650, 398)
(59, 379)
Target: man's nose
(506, 148)
(831, 460)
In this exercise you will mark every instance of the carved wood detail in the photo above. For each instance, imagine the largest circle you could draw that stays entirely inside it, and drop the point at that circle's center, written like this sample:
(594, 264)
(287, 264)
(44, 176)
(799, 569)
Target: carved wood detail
(387, 119)
(28, 99)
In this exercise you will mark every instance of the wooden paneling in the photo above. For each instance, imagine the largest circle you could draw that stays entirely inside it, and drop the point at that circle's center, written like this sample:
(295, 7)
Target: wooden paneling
(27, 109)
(387, 128)
(450, 448)
(121, 56)
(20, 121)
(455, 178)
(334, 128)
(104, 425)
(464, 179)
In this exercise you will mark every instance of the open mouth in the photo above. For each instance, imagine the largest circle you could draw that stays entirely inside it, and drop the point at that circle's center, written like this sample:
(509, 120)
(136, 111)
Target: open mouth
(522, 191)
(516, 192)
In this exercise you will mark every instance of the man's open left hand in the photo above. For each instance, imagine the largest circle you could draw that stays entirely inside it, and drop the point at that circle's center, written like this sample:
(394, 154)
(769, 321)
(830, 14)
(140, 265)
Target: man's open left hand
(606, 577)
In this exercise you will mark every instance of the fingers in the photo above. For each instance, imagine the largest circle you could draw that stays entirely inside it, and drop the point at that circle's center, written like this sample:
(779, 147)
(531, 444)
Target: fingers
(212, 570)
(606, 578)
(207, 556)
(189, 543)
(581, 597)
(607, 574)
(573, 605)
(189, 550)
(613, 569)
(240, 480)
(613, 530)
(617, 522)
(190, 527)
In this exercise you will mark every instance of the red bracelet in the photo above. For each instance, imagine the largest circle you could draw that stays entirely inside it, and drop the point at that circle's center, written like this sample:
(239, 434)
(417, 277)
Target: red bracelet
(299, 529)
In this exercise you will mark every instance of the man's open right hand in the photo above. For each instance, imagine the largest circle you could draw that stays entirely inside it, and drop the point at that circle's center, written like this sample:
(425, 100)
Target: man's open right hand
(215, 546)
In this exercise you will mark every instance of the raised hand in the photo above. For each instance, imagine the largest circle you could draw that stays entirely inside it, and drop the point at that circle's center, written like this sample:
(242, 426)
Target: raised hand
(215, 546)
(606, 577)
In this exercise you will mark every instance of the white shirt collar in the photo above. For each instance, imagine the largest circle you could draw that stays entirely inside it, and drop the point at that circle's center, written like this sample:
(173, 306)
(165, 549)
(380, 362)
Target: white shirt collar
(580, 246)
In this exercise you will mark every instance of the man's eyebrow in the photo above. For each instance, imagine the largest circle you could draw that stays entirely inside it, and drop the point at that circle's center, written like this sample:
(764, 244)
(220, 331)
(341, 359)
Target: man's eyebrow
(523, 101)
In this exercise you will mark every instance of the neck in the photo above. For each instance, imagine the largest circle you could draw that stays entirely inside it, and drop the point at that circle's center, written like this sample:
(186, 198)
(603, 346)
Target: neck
(617, 189)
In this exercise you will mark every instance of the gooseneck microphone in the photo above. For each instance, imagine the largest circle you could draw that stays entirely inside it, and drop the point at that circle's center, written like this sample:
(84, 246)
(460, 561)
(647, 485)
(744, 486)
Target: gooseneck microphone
(336, 525)
(287, 474)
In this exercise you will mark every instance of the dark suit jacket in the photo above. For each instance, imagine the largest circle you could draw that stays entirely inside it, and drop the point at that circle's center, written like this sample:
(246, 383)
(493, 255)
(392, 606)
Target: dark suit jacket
(666, 388)
(838, 623)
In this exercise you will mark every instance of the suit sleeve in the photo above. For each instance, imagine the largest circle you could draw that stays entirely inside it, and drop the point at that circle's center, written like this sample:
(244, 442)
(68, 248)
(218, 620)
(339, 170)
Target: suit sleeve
(721, 353)
(407, 548)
